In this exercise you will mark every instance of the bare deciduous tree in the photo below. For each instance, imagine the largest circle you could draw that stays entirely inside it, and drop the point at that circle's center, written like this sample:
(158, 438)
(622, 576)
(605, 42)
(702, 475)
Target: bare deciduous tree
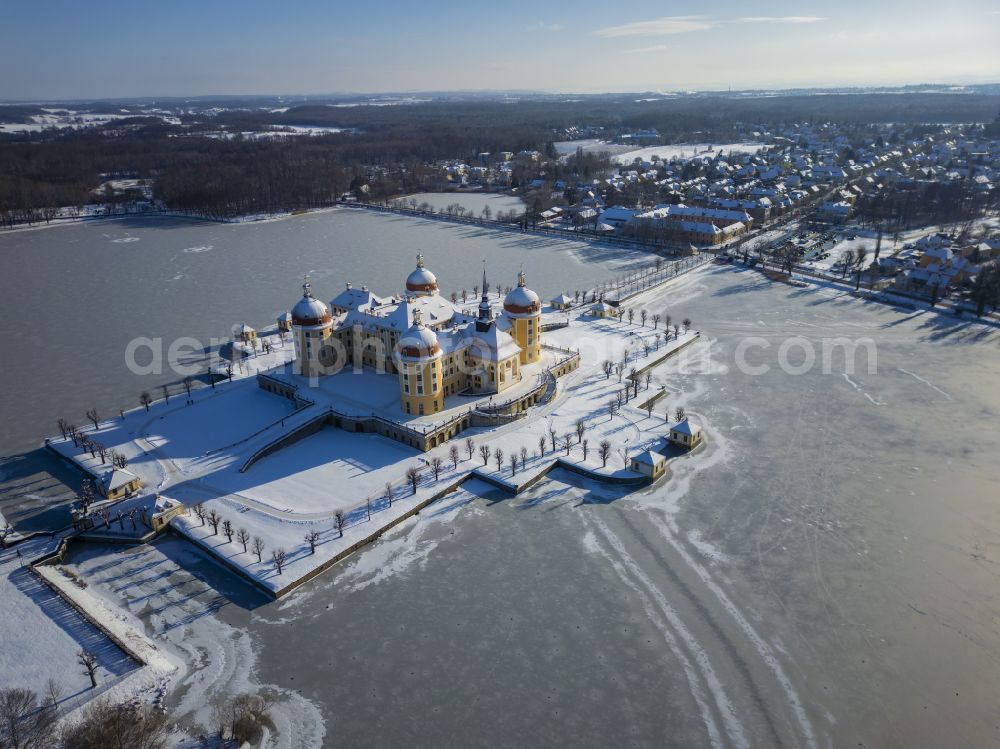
(227, 529)
(581, 429)
(243, 719)
(279, 557)
(584, 446)
(25, 721)
(470, 445)
(413, 478)
(604, 451)
(214, 519)
(93, 417)
(389, 493)
(200, 512)
(453, 454)
(436, 465)
(568, 442)
(499, 458)
(105, 724)
(541, 446)
(312, 538)
(258, 548)
(89, 662)
(145, 399)
(243, 536)
(484, 453)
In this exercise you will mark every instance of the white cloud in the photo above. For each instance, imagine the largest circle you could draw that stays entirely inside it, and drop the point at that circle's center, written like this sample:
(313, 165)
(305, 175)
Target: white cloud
(780, 19)
(658, 27)
(542, 26)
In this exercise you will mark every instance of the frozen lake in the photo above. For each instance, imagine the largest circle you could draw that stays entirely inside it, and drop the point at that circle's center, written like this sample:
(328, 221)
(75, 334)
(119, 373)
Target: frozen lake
(826, 577)
(75, 296)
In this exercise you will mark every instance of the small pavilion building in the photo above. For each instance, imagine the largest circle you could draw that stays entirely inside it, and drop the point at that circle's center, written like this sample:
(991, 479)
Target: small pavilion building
(650, 464)
(686, 434)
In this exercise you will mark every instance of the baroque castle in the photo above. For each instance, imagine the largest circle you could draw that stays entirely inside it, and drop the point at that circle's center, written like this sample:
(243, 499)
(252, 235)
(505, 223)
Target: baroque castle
(434, 347)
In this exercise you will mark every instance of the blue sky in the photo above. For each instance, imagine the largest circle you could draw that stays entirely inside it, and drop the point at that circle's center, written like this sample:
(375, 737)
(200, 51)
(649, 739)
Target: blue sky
(110, 48)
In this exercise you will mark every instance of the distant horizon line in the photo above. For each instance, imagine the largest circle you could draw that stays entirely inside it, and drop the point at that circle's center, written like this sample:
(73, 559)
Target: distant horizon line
(487, 92)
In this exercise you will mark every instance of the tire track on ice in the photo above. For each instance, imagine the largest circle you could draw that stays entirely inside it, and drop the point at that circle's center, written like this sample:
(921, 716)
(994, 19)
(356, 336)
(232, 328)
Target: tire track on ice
(673, 628)
(763, 649)
(724, 639)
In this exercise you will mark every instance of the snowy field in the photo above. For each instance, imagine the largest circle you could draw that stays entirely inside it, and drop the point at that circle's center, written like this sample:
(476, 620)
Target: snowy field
(686, 151)
(60, 118)
(625, 154)
(470, 201)
(42, 634)
(181, 599)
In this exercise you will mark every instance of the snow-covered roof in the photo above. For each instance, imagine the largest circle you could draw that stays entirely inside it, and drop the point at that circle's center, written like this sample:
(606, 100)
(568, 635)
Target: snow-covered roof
(649, 458)
(310, 311)
(521, 300)
(493, 344)
(421, 280)
(351, 298)
(116, 479)
(686, 427)
(563, 298)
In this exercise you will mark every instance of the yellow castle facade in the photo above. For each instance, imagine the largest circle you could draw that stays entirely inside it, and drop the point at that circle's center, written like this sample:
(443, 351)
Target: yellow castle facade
(433, 345)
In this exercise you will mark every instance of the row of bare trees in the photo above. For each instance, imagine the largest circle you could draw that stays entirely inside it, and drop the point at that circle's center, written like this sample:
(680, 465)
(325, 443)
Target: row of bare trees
(30, 721)
(85, 442)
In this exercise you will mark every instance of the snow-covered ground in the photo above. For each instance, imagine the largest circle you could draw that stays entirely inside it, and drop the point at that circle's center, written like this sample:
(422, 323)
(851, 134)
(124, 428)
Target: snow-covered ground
(61, 118)
(470, 201)
(626, 154)
(170, 592)
(686, 150)
(42, 634)
(193, 451)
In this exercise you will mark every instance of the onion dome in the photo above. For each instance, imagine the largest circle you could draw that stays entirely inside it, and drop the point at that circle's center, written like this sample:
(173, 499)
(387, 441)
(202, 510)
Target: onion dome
(421, 281)
(419, 341)
(309, 310)
(521, 300)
